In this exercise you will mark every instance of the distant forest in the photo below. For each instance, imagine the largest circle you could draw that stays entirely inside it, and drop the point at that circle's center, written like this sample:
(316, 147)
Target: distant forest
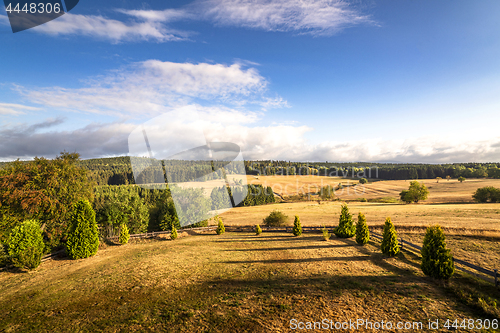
(118, 170)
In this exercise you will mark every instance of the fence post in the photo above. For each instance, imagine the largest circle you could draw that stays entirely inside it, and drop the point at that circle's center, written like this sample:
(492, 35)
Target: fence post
(496, 277)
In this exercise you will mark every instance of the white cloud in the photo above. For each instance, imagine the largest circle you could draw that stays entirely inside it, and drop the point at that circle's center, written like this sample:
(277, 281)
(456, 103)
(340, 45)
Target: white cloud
(315, 17)
(152, 87)
(109, 29)
(4, 20)
(167, 15)
(15, 109)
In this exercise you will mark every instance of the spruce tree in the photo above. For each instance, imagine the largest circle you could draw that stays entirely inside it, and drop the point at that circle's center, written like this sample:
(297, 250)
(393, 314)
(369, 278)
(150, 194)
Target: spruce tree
(362, 232)
(173, 233)
(346, 227)
(258, 230)
(25, 245)
(124, 234)
(220, 226)
(390, 244)
(297, 227)
(437, 260)
(83, 238)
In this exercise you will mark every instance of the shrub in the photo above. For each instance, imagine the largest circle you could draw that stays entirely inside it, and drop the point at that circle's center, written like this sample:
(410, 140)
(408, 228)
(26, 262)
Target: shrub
(173, 233)
(297, 227)
(437, 260)
(390, 244)
(363, 181)
(258, 230)
(276, 219)
(362, 232)
(415, 193)
(487, 194)
(4, 255)
(124, 234)
(461, 179)
(326, 234)
(346, 228)
(220, 226)
(363, 200)
(83, 238)
(25, 245)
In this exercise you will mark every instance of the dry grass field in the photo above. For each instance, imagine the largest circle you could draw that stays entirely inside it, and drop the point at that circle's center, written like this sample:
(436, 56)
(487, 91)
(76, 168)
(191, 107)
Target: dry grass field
(233, 283)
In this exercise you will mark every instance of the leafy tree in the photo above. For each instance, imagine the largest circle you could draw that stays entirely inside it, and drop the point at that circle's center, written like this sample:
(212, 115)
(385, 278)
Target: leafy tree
(389, 244)
(297, 227)
(173, 233)
(25, 245)
(83, 238)
(258, 230)
(438, 179)
(363, 181)
(346, 228)
(461, 179)
(124, 234)
(437, 260)
(487, 194)
(327, 192)
(220, 226)
(415, 193)
(362, 232)
(448, 177)
(193, 206)
(276, 219)
(44, 190)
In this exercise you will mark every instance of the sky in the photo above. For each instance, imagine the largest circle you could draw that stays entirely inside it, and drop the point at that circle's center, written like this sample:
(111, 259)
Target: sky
(300, 80)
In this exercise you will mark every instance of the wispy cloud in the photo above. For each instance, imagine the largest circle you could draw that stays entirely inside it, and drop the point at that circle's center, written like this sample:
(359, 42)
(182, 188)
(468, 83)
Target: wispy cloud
(152, 87)
(315, 17)
(15, 109)
(109, 29)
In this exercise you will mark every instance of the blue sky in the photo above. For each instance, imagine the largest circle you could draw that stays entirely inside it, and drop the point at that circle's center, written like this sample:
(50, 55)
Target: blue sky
(398, 81)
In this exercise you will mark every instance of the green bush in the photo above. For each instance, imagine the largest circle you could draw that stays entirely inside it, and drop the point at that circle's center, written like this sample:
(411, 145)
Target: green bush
(326, 234)
(25, 245)
(4, 255)
(276, 219)
(362, 232)
(415, 193)
(461, 179)
(220, 226)
(437, 260)
(83, 238)
(173, 233)
(124, 234)
(297, 227)
(363, 181)
(258, 230)
(363, 200)
(346, 228)
(487, 194)
(390, 244)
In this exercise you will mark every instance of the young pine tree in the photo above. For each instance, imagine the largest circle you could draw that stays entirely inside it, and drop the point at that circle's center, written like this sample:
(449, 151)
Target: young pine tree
(258, 230)
(173, 233)
(326, 234)
(25, 245)
(362, 232)
(297, 227)
(124, 234)
(390, 244)
(220, 226)
(346, 228)
(83, 238)
(437, 260)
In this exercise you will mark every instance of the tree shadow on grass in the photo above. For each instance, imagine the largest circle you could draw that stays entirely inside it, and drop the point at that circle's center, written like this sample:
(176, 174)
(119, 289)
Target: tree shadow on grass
(311, 247)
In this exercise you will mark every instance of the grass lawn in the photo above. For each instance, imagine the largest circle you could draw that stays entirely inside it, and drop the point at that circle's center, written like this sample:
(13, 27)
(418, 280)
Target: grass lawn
(236, 282)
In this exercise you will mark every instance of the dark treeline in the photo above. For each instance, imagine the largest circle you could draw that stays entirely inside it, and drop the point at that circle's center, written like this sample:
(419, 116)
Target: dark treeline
(256, 195)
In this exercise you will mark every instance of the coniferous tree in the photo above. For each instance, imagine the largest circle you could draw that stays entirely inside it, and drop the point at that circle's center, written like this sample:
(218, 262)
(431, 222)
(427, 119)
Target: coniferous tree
(326, 234)
(83, 238)
(362, 232)
(390, 244)
(173, 233)
(124, 234)
(220, 226)
(346, 228)
(437, 260)
(258, 230)
(25, 245)
(297, 227)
